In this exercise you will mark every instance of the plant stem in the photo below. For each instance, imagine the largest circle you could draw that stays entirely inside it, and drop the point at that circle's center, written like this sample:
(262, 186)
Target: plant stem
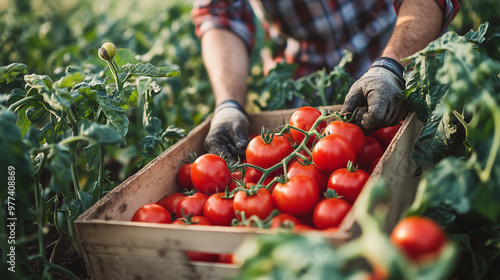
(484, 174)
(101, 172)
(114, 71)
(19, 103)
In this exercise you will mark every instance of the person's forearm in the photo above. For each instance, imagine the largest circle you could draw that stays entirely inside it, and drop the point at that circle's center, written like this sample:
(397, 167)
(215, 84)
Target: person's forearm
(226, 59)
(419, 22)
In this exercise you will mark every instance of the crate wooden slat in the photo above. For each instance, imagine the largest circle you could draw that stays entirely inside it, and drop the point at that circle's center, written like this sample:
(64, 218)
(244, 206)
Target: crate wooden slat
(111, 245)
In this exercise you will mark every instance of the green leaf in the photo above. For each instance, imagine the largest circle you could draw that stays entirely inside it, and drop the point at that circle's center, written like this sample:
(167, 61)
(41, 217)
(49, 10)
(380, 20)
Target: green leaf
(58, 164)
(477, 36)
(12, 72)
(101, 134)
(447, 185)
(149, 70)
(58, 98)
(70, 80)
(93, 154)
(154, 127)
(15, 95)
(114, 113)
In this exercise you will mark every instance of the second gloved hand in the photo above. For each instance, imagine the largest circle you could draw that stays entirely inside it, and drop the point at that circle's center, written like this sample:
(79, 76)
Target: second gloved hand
(377, 96)
(228, 132)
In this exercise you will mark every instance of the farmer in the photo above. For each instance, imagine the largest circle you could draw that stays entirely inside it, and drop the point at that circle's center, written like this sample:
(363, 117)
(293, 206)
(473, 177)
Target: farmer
(314, 34)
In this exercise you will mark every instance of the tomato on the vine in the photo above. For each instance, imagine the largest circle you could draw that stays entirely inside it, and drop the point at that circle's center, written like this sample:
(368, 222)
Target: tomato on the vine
(191, 205)
(253, 202)
(284, 220)
(348, 182)
(152, 213)
(304, 118)
(210, 174)
(219, 209)
(311, 170)
(373, 150)
(192, 220)
(268, 151)
(352, 132)
(330, 213)
(171, 201)
(298, 196)
(420, 238)
(332, 152)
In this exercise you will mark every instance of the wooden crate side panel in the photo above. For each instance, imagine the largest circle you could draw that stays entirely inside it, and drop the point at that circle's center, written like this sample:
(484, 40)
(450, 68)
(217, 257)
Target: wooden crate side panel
(397, 169)
(113, 266)
(149, 184)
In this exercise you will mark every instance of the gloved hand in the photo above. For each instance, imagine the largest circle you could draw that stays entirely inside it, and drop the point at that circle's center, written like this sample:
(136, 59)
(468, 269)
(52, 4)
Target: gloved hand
(377, 96)
(228, 132)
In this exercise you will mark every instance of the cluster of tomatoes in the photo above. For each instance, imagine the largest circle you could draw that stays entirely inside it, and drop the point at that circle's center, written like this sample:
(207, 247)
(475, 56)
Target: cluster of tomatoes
(305, 177)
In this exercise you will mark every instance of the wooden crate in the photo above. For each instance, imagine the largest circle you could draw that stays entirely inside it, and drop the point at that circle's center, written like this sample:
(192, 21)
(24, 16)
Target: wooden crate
(115, 248)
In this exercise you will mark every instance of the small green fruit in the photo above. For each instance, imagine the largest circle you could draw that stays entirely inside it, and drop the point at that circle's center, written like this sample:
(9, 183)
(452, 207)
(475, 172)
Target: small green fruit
(107, 51)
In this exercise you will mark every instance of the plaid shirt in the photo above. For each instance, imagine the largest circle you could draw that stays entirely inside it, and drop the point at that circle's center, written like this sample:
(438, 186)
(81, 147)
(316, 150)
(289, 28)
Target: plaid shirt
(312, 33)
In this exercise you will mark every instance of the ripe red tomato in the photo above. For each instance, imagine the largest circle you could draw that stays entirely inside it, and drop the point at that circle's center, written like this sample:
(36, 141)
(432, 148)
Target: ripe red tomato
(219, 209)
(352, 132)
(259, 203)
(420, 238)
(152, 213)
(266, 155)
(171, 201)
(253, 175)
(330, 213)
(373, 165)
(348, 182)
(304, 118)
(373, 150)
(311, 170)
(227, 258)
(194, 221)
(385, 135)
(298, 196)
(191, 205)
(283, 220)
(184, 177)
(235, 177)
(195, 256)
(210, 174)
(332, 152)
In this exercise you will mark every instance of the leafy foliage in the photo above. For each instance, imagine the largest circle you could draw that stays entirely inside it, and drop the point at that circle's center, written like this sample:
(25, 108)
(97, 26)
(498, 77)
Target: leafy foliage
(454, 84)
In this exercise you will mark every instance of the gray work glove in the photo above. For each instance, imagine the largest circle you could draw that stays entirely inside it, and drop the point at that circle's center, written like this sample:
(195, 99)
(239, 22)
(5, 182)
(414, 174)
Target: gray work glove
(377, 96)
(228, 132)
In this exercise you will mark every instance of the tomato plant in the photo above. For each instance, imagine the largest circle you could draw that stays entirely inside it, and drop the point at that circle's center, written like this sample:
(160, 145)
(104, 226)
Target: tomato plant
(304, 118)
(210, 174)
(352, 132)
(297, 196)
(255, 201)
(420, 238)
(332, 152)
(219, 209)
(348, 182)
(152, 213)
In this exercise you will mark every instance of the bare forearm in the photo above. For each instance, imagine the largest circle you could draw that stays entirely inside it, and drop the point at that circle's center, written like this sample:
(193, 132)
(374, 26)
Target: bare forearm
(226, 59)
(419, 22)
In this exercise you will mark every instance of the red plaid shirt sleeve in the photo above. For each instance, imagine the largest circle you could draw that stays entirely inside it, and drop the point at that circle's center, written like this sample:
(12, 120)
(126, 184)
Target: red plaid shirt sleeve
(449, 7)
(233, 15)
